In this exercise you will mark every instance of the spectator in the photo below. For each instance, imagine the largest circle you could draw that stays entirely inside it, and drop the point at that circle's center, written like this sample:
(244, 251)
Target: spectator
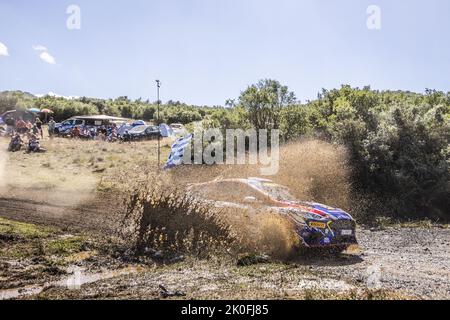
(34, 144)
(21, 126)
(16, 143)
(38, 124)
(34, 129)
(76, 133)
(10, 126)
(51, 127)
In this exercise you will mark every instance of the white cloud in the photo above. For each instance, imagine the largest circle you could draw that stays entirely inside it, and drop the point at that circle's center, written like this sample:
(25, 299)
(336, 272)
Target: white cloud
(44, 55)
(47, 57)
(39, 48)
(3, 50)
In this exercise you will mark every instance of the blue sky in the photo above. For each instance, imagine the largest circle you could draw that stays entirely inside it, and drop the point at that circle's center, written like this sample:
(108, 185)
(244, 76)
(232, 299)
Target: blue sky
(206, 51)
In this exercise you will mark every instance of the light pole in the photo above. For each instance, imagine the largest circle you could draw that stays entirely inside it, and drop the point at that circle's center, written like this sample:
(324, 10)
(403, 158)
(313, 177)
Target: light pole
(158, 85)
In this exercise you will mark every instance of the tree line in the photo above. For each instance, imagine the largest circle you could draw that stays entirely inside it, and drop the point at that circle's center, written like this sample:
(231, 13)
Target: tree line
(171, 112)
(398, 142)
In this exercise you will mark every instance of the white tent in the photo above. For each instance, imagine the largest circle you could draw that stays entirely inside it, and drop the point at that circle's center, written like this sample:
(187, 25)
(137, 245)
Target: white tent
(166, 131)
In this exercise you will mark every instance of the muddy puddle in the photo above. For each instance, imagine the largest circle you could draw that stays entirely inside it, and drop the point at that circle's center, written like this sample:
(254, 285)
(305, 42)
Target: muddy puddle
(77, 278)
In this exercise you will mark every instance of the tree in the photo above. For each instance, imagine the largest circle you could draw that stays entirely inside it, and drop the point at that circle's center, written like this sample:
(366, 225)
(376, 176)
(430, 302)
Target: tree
(264, 101)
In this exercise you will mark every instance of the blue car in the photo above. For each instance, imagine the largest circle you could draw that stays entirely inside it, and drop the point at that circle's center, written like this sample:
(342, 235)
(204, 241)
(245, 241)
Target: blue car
(317, 225)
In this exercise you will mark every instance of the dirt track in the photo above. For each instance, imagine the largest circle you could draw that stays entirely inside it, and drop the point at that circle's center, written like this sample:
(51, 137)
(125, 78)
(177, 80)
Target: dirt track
(416, 261)
(25, 205)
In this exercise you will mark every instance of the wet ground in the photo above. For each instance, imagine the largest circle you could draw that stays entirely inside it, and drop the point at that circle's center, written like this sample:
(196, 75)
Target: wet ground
(396, 263)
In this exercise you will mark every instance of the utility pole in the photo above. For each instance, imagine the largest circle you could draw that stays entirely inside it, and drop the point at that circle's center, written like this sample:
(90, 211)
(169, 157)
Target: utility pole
(158, 86)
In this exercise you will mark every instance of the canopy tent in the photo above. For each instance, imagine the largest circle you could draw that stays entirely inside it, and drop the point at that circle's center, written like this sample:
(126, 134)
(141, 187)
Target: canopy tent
(16, 114)
(166, 131)
(46, 112)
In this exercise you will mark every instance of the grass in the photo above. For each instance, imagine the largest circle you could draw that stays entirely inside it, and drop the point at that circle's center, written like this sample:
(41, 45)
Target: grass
(76, 165)
(66, 246)
(25, 240)
(23, 230)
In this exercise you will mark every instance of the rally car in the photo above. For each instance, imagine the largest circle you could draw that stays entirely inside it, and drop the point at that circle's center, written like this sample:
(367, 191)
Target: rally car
(317, 225)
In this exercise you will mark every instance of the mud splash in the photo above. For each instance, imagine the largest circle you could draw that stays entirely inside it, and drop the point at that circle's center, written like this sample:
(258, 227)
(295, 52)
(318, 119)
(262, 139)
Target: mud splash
(313, 170)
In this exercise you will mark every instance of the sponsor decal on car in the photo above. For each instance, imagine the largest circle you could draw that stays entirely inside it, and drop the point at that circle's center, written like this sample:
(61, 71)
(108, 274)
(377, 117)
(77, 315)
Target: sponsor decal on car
(318, 225)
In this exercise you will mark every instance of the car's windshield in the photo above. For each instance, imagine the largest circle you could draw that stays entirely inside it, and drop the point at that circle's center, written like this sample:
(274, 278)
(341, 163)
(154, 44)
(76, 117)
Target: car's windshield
(67, 123)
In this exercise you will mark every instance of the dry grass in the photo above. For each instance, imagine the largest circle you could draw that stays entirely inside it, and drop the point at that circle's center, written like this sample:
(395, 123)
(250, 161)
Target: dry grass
(72, 170)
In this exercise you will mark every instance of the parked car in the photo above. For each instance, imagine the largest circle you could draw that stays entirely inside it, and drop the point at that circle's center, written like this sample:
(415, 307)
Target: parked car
(316, 225)
(66, 127)
(141, 133)
(129, 126)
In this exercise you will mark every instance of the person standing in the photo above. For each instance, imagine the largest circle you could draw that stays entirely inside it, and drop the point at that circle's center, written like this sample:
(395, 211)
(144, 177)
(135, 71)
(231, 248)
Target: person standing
(21, 126)
(10, 126)
(51, 127)
(39, 126)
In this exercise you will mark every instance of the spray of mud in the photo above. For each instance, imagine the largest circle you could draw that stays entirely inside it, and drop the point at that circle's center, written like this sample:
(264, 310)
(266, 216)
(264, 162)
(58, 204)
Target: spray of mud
(313, 170)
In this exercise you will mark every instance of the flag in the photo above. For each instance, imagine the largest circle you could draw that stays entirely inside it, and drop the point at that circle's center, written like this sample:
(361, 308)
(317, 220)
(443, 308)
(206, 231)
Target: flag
(177, 154)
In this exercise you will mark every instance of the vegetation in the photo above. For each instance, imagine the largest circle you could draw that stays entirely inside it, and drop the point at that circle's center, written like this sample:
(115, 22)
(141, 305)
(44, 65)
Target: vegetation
(172, 112)
(398, 142)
